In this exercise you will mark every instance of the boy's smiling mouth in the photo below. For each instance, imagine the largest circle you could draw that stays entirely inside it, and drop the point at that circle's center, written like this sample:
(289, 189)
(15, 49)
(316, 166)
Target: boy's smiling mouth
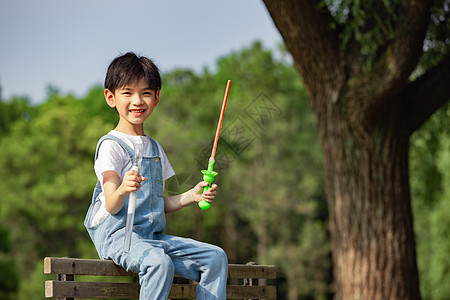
(137, 111)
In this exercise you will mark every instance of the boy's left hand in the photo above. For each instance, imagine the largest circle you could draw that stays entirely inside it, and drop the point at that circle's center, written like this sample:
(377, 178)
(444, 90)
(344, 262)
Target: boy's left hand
(208, 196)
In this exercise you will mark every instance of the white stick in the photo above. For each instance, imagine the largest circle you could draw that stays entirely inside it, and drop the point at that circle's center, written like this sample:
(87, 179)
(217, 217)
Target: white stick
(138, 151)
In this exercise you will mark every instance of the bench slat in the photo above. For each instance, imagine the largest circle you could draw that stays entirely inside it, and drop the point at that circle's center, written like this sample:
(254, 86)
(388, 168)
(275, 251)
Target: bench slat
(78, 266)
(80, 289)
(251, 292)
(96, 267)
(252, 271)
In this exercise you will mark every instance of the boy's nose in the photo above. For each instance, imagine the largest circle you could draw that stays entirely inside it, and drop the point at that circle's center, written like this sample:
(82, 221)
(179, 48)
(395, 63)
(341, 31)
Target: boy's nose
(136, 100)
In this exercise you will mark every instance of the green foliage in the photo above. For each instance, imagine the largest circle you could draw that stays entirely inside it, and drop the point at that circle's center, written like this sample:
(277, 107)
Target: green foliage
(439, 273)
(9, 278)
(430, 174)
(368, 23)
(31, 287)
(47, 179)
(18, 108)
(437, 41)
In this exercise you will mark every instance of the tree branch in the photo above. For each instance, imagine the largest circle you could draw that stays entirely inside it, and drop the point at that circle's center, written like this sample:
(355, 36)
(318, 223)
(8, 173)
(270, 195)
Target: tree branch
(388, 76)
(427, 94)
(306, 32)
(405, 50)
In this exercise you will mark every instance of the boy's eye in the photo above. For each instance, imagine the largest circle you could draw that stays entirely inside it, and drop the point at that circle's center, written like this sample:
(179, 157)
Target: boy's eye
(126, 93)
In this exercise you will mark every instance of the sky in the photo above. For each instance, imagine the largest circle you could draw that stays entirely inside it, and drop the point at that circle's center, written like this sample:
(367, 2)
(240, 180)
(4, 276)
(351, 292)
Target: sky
(69, 44)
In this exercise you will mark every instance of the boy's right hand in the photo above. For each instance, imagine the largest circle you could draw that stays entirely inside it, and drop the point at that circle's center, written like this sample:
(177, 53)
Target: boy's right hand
(117, 192)
(131, 182)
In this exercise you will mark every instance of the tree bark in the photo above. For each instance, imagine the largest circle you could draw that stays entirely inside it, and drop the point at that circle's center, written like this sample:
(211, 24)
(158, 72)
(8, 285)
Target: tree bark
(365, 120)
(370, 214)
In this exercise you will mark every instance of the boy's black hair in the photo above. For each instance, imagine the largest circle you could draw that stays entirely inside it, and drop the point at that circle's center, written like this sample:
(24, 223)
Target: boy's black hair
(130, 68)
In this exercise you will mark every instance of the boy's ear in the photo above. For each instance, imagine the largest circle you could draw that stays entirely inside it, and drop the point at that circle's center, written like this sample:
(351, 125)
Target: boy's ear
(157, 97)
(109, 97)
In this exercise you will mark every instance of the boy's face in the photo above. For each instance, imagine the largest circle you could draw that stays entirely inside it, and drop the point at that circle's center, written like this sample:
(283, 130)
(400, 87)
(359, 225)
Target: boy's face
(134, 103)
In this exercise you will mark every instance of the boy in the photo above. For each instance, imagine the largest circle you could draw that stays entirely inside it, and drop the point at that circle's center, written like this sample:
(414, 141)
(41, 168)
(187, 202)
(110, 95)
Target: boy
(132, 87)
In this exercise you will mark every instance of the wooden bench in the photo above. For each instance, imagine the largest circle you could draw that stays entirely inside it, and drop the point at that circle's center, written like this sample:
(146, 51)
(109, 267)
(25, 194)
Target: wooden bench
(244, 281)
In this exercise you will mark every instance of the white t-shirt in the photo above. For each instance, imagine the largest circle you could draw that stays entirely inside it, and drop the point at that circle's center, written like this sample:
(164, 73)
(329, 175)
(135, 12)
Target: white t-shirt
(112, 157)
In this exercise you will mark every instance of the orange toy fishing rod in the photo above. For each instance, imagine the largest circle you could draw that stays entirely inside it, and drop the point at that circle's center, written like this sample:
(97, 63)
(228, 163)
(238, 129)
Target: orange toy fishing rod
(208, 175)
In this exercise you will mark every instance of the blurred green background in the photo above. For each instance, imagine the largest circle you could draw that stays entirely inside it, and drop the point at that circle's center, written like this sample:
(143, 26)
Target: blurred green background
(271, 205)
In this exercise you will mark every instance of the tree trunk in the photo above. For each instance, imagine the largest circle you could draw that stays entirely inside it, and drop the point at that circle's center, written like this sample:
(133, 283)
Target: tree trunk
(370, 213)
(365, 119)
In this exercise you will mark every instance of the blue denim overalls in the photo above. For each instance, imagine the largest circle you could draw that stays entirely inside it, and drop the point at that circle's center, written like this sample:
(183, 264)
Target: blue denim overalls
(155, 256)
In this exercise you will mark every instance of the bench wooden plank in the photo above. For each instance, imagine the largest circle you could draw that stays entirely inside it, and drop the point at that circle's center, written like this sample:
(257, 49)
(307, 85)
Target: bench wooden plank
(251, 292)
(78, 266)
(96, 267)
(80, 289)
(252, 271)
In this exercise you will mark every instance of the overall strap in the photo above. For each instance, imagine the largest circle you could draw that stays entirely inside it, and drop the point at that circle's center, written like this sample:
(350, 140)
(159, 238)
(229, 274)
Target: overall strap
(119, 141)
(155, 150)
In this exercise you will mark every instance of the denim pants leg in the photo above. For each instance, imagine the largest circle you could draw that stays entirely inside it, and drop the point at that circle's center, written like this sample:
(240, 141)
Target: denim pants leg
(149, 260)
(205, 263)
(156, 271)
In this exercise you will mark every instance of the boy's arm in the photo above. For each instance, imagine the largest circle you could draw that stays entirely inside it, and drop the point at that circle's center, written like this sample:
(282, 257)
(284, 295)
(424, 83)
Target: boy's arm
(194, 195)
(116, 192)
